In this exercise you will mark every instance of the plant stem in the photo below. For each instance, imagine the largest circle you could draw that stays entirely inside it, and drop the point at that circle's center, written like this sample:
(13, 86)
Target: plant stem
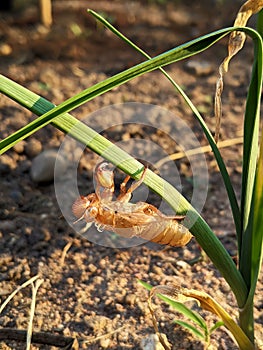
(251, 248)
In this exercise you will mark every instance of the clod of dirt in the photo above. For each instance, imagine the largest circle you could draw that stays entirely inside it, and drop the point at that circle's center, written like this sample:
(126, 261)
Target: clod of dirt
(6, 164)
(20, 147)
(33, 147)
(98, 322)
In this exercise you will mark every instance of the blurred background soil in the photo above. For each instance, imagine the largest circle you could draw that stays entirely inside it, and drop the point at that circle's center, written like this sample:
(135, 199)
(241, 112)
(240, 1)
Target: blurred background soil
(89, 291)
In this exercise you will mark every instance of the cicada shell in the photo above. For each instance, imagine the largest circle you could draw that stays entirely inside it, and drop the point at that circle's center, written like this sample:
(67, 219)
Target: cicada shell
(128, 219)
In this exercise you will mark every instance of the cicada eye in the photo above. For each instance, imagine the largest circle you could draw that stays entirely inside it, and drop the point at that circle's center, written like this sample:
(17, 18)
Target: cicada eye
(103, 166)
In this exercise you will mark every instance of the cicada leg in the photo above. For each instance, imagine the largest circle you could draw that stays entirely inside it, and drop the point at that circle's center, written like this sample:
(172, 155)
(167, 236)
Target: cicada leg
(123, 185)
(172, 217)
(125, 194)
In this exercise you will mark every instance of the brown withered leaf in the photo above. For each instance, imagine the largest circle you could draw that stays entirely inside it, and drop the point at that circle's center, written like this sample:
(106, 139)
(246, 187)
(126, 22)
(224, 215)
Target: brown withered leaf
(206, 302)
(235, 44)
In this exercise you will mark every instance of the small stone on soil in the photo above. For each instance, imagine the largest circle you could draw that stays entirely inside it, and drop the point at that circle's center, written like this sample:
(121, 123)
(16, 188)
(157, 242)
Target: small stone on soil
(199, 68)
(43, 166)
(151, 342)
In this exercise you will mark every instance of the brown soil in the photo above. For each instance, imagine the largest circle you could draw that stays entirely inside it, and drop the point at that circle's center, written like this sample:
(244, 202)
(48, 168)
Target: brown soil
(89, 291)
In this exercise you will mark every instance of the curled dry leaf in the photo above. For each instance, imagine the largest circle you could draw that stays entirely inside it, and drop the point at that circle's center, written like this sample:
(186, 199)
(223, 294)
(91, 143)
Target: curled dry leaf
(235, 44)
(206, 302)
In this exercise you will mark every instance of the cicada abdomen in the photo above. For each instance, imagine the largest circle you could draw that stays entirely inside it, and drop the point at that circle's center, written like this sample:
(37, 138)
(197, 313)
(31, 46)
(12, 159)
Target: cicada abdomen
(175, 234)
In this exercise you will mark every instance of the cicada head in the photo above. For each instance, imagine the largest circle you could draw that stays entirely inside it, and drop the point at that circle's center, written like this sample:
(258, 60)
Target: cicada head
(104, 175)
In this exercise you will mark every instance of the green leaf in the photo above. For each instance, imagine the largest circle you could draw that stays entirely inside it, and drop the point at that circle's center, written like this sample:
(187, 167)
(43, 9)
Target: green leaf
(192, 329)
(183, 51)
(220, 162)
(216, 326)
(257, 227)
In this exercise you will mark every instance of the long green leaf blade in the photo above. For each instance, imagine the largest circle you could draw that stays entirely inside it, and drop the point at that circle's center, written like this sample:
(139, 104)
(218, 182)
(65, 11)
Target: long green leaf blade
(231, 193)
(179, 53)
(191, 328)
(257, 233)
(256, 224)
